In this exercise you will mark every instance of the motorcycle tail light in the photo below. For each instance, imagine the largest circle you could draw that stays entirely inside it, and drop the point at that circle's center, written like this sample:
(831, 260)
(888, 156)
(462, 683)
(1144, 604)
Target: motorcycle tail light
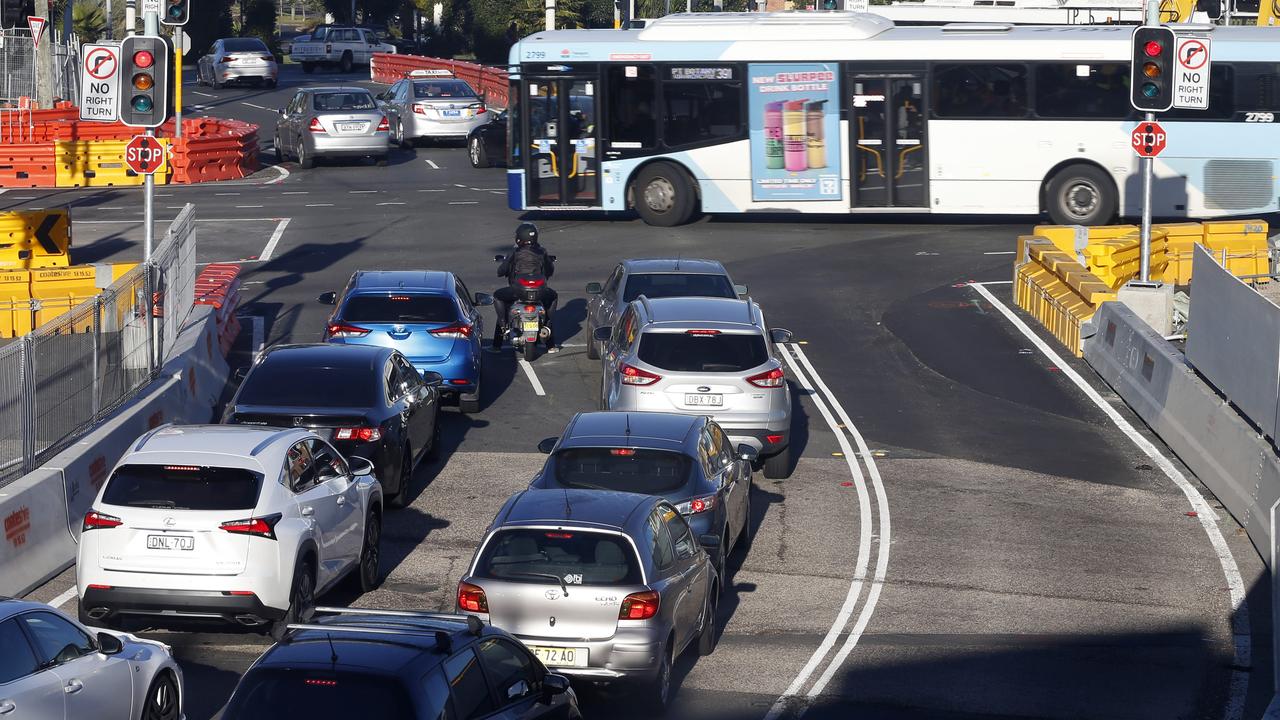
(532, 282)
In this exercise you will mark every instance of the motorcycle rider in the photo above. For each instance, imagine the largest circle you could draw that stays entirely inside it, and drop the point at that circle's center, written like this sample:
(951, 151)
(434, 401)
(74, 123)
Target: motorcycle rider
(528, 258)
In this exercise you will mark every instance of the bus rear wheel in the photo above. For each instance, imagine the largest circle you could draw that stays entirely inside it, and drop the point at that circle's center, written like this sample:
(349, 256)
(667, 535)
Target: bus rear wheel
(664, 195)
(1081, 195)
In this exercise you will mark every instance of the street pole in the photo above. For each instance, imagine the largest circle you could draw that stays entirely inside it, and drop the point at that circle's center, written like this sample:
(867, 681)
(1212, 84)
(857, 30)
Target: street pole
(150, 26)
(1148, 170)
(43, 65)
(111, 23)
(177, 82)
(130, 17)
(551, 15)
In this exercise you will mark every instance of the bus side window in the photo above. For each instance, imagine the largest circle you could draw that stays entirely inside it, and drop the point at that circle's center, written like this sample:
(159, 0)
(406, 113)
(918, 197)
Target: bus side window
(632, 104)
(980, 90)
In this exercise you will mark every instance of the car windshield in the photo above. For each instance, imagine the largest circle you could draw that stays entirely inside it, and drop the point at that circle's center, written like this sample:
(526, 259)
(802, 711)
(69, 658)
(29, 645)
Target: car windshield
(703, 352)
(183, 487)
(637, 470)
(582, 558)
(442, 89)
(400, 309)
(662, 285)
(244, 45)
(339, 101)
(296, 385)
(318, 695)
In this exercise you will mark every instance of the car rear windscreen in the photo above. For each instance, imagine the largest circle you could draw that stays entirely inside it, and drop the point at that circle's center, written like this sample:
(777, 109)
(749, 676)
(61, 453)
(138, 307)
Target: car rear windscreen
(588, 558)
(662, 285)
(685, 352)
(637, 470)
(183, 487)
(400, 309)
(244, 45)
(442, 89)
(292, 385)
(343, 101)
(269, 693)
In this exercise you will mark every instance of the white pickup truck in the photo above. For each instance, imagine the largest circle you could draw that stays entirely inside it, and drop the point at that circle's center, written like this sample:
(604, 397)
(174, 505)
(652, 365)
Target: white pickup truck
(345, 47)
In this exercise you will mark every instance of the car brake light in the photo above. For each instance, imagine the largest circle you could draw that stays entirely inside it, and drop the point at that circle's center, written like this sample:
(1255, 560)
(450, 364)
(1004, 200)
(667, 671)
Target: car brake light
(533, 282)
(320, 683)
(459, 381)
(639, 606)
(383, 125)
(315, 126)
(481, 109)
(363, 434)
(264, 526)
(632, 375)
(182, 468)
(343, 330)
(770, 379)
(238, 593)
(624, 452)
(701, 332)
(96, 586)
(94, 520)
(697, 505)
(419, 109)
(773, 439)
(559, 535)
(457, 330)
(471, 598)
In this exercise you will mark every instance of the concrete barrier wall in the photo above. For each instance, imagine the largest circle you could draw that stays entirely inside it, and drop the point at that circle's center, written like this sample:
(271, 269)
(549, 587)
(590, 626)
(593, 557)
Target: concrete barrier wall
(47, 506)
(1230, 457)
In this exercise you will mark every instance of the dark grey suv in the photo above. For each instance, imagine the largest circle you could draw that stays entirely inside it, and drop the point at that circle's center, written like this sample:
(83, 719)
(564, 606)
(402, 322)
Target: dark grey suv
(358, 663)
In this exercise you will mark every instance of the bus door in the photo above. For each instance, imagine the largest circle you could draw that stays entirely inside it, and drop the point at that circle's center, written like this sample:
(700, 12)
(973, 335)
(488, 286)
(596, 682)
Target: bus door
(562, 163)
(889, 155)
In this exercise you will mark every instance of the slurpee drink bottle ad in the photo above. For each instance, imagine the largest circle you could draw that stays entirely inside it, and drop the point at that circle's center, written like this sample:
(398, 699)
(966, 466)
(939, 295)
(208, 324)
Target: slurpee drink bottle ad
(795, 131)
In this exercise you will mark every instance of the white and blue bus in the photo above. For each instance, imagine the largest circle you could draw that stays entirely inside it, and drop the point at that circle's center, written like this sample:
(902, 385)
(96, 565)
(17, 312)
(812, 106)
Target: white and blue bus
(845, 113)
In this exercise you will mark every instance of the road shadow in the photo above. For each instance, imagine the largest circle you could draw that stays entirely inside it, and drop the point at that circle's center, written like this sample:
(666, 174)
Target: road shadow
(205, 688)
(570, 318)
(101, 249)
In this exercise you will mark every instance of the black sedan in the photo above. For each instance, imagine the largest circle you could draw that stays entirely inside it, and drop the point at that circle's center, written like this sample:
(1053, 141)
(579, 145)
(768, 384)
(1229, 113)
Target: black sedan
(487, 144)
(369, 400)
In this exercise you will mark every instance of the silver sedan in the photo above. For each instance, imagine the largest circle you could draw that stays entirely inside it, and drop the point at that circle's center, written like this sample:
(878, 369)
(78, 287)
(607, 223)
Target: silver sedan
(57, 669)
(331, 122)
(237, 60)
(433, 106)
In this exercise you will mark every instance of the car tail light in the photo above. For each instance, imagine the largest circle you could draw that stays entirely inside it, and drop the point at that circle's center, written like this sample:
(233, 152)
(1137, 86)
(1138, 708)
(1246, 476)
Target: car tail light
(343, 330)
(363, 434)
(774, 439)
(315, 126)
(702, 332)
(697, 505)
(471, 598)
(559, 535)
(457, 330)
(320, 683)
(94, 520)
(622, 452)
(459, 381)
(533, 282)
(419, 109)
(264, 526)
(639, 606)
(238, 593)
(383, 125)
(479, 108)
(96, 586)
(770, 379)
(632, 375)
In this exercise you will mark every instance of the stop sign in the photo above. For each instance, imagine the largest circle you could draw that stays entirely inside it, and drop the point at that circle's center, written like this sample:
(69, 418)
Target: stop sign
(144, 155)
(1148, 139)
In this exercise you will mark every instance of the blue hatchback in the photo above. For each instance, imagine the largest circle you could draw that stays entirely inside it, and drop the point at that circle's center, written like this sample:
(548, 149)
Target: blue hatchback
(428, 315)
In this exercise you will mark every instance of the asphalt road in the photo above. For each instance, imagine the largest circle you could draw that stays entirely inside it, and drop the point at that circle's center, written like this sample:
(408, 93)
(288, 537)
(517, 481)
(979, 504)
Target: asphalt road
(967, 533)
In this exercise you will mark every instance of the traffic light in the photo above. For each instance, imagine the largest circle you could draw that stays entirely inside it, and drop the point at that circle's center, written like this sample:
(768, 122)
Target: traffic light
(829, 5)
(15, 12)
(144, 95)
(1152, 72)
(176, 12)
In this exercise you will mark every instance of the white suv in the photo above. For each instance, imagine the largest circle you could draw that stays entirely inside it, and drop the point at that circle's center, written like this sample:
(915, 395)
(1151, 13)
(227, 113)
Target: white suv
(247, 524)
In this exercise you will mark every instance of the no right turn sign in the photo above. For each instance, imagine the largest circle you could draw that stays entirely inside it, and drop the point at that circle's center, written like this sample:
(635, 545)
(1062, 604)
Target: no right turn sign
(100, 82)
(1191, 73)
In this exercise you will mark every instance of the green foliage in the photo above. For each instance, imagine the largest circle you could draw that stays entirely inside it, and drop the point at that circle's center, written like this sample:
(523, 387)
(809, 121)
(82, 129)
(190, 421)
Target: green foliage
(260, 22)
(88, 20)
(210, 20)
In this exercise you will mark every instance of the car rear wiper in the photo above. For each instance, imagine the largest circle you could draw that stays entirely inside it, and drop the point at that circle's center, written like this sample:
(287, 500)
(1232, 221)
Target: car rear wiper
(545, 576)
(158, 504)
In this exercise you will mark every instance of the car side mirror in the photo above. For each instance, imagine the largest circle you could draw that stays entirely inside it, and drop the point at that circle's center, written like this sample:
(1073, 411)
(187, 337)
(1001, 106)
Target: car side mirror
(329, 298)
(432, 379)
(360, 466)
(740, 289)
(483, 299)
(547, 445)
(499, 258)
(553, 685)
(748, 453)
(780, 335)
(280, 111)
(552, 257)
(709, 542)
(602, 334)
(109, 644)
(594, 288)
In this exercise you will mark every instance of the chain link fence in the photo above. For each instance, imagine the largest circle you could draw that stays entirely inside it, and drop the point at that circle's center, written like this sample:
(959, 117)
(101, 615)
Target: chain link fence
(17, 67)
(59, 380)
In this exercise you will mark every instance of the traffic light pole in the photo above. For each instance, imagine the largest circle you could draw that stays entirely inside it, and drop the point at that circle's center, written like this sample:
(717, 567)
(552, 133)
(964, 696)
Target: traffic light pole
(1148, 170)
(151, 26)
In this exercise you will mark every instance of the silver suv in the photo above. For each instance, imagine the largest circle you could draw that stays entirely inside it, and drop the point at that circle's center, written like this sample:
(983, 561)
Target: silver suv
(601, 586)
(702, 356)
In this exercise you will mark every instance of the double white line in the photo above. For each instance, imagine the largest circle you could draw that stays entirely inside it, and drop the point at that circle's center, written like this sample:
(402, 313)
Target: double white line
(796, 697)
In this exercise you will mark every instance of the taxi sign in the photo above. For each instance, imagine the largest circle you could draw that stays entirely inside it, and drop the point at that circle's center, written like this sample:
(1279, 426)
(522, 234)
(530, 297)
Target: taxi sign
(430, 73)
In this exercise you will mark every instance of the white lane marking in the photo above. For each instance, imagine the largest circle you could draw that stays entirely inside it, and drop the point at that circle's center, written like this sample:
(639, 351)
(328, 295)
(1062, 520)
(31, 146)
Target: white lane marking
(63, 598)
(197, 92)
(391, 203)
(164, 220)
(283, 174)
(24, 197)
(319, 204)
(232, 193)
(164, 194)
(460, 185)
(270, 248)
(431, 191)
(883, 541)
(361, 192)
(295, 192)
(497, 192)
(1001, 252)
(248, 206)
(464, 202)
(254, 106)
(433, 164)
(1205, 514)
(864, 546)
(3, 190)
(174, 207)
(994, 282)
(107, 208)
(533, 377)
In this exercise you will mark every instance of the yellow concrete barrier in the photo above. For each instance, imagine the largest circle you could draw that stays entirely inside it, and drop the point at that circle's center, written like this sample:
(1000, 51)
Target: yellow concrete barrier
(98, 163)
(35, 239)
(1056, 289)
(1241, 246)
(15, 303)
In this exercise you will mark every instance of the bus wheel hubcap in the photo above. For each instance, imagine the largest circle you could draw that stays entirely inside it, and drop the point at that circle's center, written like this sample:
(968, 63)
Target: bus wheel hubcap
(659, 195)
(1081, 198)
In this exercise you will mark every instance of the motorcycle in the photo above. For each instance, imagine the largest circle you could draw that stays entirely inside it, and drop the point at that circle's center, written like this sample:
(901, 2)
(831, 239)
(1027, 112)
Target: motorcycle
(526, 321)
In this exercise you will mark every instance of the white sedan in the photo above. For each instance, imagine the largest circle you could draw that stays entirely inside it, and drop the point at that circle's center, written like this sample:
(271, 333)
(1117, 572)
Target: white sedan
(53, 668)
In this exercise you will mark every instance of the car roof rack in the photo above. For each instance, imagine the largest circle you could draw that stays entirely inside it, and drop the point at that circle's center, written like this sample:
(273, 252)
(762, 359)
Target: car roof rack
(474, 624)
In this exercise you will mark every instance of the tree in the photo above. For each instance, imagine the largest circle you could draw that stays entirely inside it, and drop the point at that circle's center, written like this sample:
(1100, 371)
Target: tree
(88, 20)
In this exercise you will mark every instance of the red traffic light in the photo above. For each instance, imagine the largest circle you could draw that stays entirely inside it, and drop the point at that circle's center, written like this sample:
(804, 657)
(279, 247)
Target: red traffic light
(143, 59)
(1152, 48)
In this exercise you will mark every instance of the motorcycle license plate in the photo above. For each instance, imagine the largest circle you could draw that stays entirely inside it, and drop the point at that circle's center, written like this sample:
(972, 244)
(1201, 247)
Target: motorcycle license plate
(530, 325)
(703, 400)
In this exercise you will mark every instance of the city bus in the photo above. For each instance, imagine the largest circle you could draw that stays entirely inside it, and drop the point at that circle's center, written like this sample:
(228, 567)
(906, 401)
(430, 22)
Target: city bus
(844, 112)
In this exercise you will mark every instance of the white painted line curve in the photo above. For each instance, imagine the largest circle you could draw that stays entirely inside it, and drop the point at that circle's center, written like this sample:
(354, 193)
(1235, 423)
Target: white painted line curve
(64, 598)
(533, 377)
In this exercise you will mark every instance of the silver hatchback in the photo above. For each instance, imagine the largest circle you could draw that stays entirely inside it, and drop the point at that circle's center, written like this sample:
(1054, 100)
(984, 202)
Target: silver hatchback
(703, 356)
(332, 122)
(600, 586)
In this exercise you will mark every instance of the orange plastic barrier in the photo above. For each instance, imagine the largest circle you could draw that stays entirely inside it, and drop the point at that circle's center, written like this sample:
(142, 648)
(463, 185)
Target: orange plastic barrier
(28, 166)
(215, 149)
(492, 82)
(219, 285)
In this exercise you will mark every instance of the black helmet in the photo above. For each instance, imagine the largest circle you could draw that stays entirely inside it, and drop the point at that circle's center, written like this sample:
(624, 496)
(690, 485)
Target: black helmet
(527, 234)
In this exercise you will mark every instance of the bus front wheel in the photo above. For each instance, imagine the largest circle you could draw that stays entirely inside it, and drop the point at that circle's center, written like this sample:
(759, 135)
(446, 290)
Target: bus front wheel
(663, 195)
(1081, 195)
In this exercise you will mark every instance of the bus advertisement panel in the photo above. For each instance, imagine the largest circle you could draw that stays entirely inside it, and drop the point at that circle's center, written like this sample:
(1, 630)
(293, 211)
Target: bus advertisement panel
(795, 131)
